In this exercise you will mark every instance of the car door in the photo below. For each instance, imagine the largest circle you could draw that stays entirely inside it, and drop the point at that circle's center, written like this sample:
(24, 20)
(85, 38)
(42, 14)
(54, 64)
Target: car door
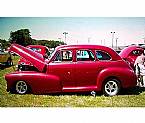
(62, 66)
(85, 69)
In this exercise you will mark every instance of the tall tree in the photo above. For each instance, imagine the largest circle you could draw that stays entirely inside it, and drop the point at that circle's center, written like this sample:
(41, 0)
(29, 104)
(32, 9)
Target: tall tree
(4, 44)
(49, 43)
(21, 37)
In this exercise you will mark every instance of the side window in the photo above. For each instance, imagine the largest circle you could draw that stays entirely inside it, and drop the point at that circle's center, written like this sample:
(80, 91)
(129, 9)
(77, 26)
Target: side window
(102, 55)
(66, 55)
(85, 55)
(57, 57)
(62, 56)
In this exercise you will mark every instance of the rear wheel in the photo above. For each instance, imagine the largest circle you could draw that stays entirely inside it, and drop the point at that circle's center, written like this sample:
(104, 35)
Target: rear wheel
(21, 87)
(111, 87)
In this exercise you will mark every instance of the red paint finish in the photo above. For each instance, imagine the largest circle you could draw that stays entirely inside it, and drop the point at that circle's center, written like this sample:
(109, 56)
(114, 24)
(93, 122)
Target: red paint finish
(130, 54)
(65, 73)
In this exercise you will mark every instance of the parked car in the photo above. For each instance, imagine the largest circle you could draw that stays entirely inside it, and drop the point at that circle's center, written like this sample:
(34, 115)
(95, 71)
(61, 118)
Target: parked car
(72, 68)
(24, 65)
(5, 58)
(129, 54)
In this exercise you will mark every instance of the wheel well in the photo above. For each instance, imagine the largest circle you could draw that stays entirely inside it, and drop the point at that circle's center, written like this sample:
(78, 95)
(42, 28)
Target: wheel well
(111, 77)
(12, 89)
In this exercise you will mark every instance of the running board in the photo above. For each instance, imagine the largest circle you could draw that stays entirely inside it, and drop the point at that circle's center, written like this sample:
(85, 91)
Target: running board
(78, 89)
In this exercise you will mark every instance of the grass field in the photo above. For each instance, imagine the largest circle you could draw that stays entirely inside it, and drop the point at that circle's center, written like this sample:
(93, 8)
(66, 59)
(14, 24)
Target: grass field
(130, 98)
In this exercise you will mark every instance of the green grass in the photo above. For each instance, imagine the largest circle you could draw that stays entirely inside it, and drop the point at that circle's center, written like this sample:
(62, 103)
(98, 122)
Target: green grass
(130, 98)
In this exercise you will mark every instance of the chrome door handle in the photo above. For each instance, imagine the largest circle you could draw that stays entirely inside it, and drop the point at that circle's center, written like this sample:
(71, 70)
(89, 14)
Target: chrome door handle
(68, 73)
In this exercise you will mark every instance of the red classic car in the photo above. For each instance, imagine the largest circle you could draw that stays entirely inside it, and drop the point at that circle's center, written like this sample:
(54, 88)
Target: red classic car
(23, 64)
(129, 54)
(72, 68)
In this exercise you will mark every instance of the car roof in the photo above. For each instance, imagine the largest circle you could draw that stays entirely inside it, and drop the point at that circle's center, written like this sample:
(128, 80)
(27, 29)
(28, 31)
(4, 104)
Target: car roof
(82, 46)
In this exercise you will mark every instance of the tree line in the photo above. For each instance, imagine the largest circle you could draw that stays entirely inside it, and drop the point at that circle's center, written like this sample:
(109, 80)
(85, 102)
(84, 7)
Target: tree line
(23, 37)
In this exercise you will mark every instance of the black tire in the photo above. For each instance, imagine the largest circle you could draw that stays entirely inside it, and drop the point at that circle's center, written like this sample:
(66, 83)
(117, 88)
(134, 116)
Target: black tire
(111, 87)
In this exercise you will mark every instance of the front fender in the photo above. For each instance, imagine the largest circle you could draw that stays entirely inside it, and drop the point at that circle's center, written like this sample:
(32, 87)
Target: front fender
(39, 82)
(126, 76)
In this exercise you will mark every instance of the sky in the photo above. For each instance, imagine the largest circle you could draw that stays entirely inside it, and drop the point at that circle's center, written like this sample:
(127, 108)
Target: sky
(81, 30)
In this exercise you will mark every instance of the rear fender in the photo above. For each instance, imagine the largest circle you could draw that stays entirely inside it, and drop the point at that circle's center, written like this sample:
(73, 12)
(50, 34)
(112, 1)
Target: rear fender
(126, 77)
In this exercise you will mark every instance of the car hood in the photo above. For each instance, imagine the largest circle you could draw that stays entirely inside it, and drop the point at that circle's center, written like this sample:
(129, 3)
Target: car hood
(34, 58)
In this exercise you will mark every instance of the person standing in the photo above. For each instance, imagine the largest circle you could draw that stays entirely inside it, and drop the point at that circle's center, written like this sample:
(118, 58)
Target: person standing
(140, 68)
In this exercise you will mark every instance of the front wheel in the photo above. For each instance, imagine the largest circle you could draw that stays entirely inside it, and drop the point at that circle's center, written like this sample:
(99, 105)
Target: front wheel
(111, 87)
(21, 87)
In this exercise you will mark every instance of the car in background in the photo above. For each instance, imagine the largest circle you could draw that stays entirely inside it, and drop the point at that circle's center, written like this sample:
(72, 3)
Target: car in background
(72, 68)
(5, 58)
(130, 53)
(23, 64)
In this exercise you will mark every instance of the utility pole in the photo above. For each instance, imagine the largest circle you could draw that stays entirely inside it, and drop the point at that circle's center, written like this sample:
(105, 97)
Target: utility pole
(104, 42)
(89, 40)
(101, 42)
(116, 43)
(112, 38)
(144, 39)
(65, 33)
(59, 39)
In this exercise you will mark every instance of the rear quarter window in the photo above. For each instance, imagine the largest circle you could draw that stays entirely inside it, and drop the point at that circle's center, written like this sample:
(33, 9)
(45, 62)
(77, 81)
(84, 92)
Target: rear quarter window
(101, 55)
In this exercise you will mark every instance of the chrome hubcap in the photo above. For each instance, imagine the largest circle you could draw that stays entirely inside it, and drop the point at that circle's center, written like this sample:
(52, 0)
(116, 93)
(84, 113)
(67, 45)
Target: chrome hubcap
(111, 88)
(21, 87)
